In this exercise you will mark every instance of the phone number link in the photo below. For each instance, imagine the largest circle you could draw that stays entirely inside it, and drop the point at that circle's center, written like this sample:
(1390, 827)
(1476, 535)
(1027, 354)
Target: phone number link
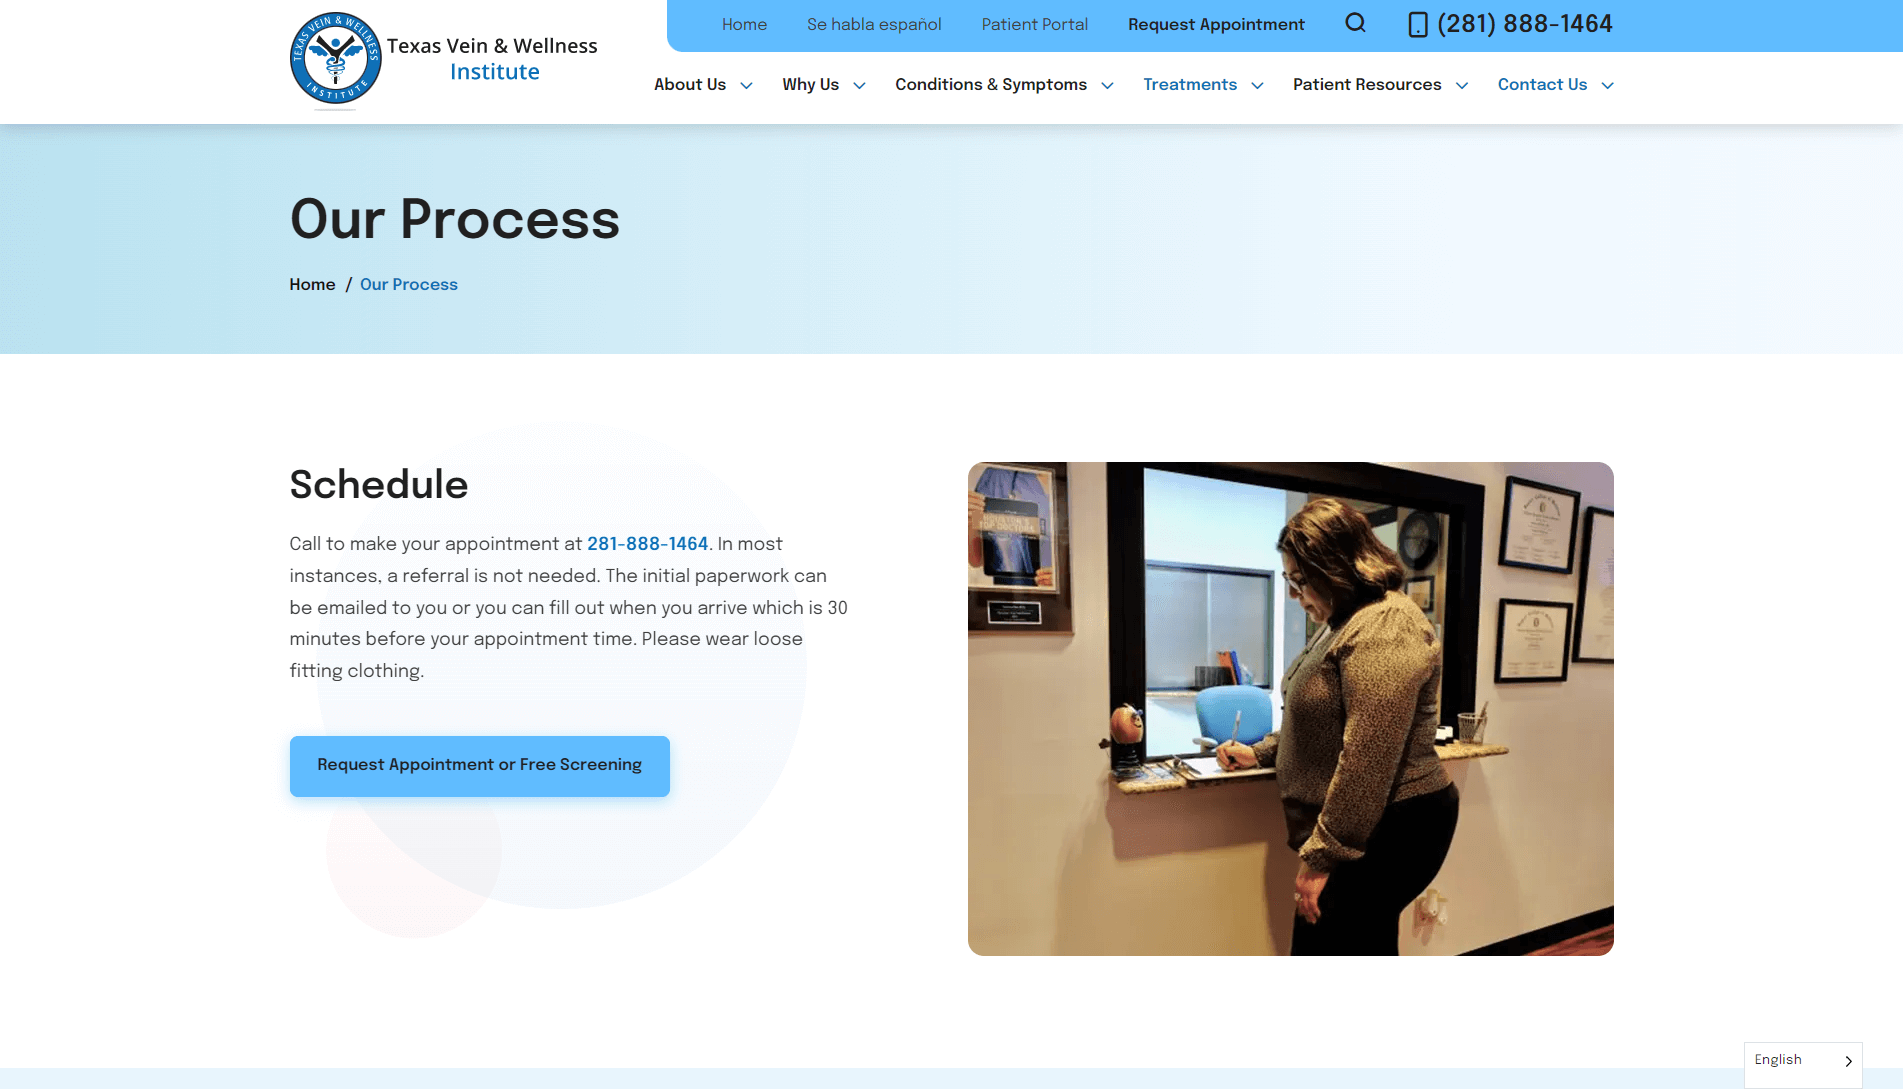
(647, 544)
(1485, 22)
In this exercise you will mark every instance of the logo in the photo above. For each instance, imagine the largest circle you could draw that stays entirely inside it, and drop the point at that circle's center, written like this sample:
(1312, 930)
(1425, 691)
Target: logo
(336, 57)
(1542, 506)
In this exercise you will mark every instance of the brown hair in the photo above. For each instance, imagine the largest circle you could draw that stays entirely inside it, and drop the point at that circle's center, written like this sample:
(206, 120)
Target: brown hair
(1335, 548)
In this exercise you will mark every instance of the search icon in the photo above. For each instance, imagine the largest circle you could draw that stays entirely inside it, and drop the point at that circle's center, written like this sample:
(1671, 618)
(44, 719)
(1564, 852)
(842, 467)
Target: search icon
(1356, 22)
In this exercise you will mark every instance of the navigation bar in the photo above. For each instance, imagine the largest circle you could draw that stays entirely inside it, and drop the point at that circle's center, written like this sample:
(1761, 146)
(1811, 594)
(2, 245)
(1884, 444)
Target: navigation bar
(1278, 26)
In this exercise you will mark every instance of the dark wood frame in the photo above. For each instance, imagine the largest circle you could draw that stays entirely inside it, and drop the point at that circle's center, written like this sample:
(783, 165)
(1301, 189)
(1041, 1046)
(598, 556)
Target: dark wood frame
(1500, 642)
(1054, 619)
(1463, 503)
(1431, 588)
(1506, 522)
(1585, 571)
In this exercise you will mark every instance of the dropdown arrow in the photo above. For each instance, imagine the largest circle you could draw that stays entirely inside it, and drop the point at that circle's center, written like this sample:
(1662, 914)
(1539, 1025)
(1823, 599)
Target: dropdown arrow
(1258, 86)
(1608, 86)
(1107, 86)
(746, 86)
(859, 85)
(1462, 86)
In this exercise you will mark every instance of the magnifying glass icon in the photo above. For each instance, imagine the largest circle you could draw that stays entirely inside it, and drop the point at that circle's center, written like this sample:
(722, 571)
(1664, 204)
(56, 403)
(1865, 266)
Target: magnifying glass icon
(1356, 22)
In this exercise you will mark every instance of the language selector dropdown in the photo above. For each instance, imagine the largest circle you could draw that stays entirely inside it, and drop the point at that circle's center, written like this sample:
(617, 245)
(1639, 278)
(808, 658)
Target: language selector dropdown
(1803, 1066)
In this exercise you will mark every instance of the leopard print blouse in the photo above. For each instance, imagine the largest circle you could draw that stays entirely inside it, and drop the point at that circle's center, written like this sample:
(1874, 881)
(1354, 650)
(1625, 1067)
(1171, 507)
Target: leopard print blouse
(1360, 706)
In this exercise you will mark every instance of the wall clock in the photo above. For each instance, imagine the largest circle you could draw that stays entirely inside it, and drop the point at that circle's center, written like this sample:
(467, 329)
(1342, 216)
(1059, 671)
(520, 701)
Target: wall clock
(1420, 539)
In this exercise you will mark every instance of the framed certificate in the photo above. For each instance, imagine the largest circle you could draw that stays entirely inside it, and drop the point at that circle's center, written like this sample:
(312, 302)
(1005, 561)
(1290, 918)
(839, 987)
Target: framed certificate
(1536, 526)
(1532, 643)
(1592, 638)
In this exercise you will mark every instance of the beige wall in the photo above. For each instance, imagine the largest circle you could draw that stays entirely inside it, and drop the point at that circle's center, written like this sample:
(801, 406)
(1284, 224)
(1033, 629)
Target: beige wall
(1062, 863)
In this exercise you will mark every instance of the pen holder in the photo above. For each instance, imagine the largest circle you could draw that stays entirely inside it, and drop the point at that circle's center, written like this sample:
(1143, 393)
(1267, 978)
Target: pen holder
(1471, 726)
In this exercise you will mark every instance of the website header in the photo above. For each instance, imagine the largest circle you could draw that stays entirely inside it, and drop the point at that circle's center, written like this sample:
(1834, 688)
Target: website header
(1082, 62)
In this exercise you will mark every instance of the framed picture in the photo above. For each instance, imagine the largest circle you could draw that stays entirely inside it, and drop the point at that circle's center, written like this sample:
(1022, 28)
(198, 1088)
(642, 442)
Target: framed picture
(1017, 547)
(1536, 526)
(1592, 639)
(1420, 590)
(1532, 643)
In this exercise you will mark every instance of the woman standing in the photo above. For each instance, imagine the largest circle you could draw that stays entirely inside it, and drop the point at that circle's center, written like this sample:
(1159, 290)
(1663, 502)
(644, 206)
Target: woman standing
(1370, 810)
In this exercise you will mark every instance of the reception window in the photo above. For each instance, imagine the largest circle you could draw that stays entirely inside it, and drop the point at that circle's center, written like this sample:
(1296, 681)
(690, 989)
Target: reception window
(1197, 594)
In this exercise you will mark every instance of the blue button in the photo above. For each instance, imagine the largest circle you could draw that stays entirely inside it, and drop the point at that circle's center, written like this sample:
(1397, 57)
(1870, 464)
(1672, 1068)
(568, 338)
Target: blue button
(479, 767)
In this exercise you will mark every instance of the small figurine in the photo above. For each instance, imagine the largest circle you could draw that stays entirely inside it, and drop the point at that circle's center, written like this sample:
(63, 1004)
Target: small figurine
(1126, 725)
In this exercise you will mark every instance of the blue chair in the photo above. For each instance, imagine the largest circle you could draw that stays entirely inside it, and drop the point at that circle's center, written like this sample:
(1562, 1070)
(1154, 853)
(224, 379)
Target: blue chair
(1216, 714)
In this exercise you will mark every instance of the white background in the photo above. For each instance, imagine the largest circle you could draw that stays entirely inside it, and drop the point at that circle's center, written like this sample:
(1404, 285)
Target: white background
(168, 903)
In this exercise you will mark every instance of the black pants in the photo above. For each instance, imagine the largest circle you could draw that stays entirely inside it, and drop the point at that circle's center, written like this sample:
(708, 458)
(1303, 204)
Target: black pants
(1361, 905)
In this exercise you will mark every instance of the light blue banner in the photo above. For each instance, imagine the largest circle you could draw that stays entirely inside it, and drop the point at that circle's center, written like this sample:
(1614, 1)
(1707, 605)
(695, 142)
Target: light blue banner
(1347, 26)
(479, 767)
(894, 239)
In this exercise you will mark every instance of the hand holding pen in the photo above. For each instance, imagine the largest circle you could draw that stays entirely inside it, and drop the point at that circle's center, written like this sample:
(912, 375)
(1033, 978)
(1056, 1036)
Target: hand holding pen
(1233, 755)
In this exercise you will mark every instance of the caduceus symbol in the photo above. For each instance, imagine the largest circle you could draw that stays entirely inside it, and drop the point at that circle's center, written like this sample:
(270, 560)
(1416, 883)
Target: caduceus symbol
(335, 53)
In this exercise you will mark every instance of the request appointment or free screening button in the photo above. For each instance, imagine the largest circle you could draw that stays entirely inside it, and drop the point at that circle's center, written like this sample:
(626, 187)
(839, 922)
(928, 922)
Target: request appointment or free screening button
(479, 767)
(1803, 1066)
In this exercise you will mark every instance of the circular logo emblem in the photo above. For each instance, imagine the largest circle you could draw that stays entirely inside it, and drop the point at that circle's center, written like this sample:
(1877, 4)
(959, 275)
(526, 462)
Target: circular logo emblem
(336, 57)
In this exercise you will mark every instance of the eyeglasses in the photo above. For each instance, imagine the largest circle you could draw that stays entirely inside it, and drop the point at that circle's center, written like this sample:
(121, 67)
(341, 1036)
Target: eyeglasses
(1296, 583)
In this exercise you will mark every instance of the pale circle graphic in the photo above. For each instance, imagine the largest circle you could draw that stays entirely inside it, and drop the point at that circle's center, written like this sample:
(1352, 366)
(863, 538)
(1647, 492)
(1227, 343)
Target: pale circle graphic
(389, 890)
(730, 713)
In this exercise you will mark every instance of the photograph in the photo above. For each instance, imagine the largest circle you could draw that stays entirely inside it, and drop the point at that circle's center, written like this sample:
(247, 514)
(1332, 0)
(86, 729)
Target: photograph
(1294, 719)
(1009, 545)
